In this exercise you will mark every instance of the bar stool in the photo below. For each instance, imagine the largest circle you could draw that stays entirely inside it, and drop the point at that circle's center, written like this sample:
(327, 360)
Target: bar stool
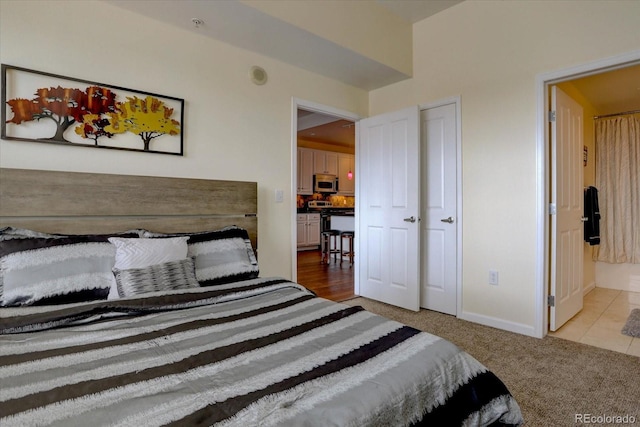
(349, 235)
(328, 238)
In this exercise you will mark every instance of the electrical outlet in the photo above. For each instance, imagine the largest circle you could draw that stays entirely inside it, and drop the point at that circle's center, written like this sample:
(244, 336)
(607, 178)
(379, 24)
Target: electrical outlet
(493, 277)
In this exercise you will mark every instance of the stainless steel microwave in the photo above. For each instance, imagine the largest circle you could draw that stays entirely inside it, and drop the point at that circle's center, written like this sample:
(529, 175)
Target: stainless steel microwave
(323, 183)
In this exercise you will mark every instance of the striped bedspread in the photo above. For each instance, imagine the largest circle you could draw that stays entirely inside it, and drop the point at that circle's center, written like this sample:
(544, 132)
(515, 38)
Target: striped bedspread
(262, 352)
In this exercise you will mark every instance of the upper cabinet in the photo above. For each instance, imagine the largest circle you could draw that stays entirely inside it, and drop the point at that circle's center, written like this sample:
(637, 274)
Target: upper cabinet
(346, 164)
(305, 170)
(325, 162)
(312, 161)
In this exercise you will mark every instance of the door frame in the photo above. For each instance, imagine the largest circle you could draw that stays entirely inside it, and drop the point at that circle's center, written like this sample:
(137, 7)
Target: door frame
(331, 111)
(440, 103)
(325, 109)
(543, 170)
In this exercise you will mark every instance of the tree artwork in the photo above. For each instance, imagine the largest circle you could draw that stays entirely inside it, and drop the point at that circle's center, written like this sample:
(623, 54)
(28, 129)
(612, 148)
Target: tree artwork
(94, 115)
(92, 127)
(62, 105)
(99, 101)
(148, 118)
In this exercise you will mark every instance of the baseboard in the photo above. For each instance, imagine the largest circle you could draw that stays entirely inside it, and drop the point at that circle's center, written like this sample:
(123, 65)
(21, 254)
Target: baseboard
(591, 286)
(494, 322)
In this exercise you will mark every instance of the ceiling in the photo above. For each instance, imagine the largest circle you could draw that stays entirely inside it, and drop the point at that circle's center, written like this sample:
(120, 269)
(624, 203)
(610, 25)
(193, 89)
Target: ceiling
(245, 27)
(328, 130)
(417, 10)
(612, 92)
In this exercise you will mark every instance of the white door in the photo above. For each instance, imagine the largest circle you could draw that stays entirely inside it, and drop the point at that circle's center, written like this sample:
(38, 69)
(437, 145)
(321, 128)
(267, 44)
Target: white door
(389, 205)
(567, 199)
(438, 219)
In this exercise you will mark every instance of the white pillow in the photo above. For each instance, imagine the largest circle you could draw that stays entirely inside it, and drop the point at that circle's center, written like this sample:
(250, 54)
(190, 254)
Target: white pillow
(140, 253)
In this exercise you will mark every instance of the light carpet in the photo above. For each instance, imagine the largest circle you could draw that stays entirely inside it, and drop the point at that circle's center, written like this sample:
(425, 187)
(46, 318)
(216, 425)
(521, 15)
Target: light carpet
(555, 381)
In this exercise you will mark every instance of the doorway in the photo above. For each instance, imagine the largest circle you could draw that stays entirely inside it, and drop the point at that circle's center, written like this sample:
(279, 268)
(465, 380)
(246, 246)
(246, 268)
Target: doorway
(323, 140)
(597, 87)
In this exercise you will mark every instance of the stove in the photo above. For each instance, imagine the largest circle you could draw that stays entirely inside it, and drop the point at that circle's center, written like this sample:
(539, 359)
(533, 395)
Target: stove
(319, 204)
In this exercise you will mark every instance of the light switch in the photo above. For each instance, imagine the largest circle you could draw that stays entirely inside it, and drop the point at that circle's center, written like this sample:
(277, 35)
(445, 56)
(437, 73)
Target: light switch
(279, 196)
(493, 277)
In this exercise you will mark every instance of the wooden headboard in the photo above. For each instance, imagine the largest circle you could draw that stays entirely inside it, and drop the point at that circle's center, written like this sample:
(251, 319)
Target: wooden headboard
(81, 203)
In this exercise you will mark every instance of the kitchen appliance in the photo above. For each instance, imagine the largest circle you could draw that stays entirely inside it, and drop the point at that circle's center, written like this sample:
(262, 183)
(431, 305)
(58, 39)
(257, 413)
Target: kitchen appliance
(322, 206)
(319, 204)
(325, 183)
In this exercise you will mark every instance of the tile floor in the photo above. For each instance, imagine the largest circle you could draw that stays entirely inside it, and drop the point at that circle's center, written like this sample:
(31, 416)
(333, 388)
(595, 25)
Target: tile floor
(602, 318)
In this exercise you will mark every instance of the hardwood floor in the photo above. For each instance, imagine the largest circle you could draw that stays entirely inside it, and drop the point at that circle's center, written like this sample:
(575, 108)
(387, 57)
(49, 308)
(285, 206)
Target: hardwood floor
(332, 281)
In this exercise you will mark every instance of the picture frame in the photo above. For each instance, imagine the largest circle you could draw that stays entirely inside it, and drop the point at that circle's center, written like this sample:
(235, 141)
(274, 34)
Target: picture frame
(49, 108)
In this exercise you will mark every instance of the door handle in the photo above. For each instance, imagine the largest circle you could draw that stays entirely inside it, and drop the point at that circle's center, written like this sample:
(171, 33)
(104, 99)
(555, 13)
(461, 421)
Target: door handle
(584, 219)
(410, 219)
(447, 220)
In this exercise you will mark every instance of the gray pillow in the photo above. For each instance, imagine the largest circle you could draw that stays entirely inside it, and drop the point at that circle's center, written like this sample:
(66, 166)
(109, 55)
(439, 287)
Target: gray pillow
(57, 270)
(167, 276)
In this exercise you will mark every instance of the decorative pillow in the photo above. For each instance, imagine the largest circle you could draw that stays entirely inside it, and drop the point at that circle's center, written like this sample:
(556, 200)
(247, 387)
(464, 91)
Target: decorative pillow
(139, 253)
(221, 256)
(56, 270)
(160, 277)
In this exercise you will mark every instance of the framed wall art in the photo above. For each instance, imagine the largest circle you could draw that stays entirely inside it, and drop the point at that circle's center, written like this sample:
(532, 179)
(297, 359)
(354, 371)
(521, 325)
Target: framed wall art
(48, 108)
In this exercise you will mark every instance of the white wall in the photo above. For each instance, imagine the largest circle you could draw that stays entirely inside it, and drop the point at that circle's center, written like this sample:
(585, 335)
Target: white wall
(233, 129)
(489, 53)
(365, 27)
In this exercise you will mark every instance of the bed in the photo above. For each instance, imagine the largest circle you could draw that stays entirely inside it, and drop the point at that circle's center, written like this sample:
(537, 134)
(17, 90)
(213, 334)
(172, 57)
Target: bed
(193, 334)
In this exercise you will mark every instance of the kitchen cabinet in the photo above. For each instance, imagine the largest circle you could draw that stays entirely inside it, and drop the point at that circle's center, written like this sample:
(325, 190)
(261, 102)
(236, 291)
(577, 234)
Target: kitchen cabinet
(312, 161)
(305, 170)
(308, 231)
(346, 163)
(325, 162)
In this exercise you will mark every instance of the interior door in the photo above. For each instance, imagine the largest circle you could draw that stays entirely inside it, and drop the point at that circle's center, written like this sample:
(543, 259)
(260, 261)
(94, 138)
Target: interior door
(439, 208)
(389, 205)
(567, 199)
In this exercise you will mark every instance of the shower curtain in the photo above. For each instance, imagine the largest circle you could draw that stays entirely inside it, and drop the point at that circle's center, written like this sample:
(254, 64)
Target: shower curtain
(618, 182)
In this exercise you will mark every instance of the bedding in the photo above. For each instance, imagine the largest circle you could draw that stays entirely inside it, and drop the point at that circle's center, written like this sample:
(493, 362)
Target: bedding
(135, 258)
(256, 352)
(170, 275)
(221, 256)
(138, 253)
(40, 268)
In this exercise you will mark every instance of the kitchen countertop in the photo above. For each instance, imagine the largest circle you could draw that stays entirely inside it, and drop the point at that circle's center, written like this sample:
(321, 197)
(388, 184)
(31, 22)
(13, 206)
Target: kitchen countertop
(345, 213)
(337, 211)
